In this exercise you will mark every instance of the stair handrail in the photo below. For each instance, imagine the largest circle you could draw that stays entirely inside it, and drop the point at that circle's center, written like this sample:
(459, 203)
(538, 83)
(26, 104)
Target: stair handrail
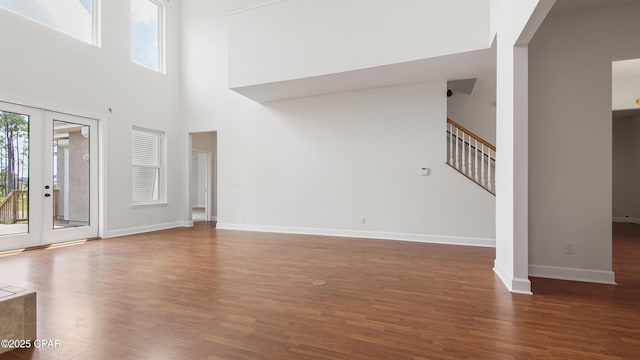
(471, 155)
(472, 134)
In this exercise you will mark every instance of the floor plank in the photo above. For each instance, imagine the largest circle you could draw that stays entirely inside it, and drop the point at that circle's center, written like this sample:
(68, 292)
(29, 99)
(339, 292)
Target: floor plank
(202, 293)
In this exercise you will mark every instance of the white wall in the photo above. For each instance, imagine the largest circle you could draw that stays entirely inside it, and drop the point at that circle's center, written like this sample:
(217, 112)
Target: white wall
(318, 164)
(626, 168)
(514, 23)
(332, 36)
(570, 136)
(42, 67)
(476, 111)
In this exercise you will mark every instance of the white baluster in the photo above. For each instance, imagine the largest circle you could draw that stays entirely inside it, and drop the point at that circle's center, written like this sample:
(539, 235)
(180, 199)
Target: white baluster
(482, 177)
(457, 154)
(450, 143)
(464, 158)
(470, 169)
(490, 185)
(475, 156)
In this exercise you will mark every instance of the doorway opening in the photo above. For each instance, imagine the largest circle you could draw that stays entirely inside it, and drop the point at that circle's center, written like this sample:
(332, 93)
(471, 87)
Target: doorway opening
(203, 176)
(626, 167)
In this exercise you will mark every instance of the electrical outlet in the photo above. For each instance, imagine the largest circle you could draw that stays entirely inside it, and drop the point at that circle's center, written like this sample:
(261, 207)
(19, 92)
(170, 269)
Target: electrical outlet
(569, 249)
(363, 219)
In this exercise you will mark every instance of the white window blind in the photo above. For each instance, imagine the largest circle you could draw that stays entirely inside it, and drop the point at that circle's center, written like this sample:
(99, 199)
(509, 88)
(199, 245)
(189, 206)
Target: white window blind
(146, 155)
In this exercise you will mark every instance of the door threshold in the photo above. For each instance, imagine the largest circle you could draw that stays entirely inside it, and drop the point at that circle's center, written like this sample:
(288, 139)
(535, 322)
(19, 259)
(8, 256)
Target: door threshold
(47, 246)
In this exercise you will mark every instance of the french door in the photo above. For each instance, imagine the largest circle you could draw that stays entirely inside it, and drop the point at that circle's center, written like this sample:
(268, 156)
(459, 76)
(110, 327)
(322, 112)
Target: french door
(48, 177)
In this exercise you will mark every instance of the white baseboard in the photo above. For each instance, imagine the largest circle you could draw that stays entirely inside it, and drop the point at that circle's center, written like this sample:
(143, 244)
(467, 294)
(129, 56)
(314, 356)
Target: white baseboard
(626, 220)
(148, 228)
(572, 274)
(426, 238)
(514, 285)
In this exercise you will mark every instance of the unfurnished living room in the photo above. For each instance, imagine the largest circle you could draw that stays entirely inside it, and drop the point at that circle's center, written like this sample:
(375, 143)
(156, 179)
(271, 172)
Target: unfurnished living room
(303, 179)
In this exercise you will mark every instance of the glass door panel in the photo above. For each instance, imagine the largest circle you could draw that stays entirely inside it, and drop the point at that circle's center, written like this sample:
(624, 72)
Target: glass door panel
(71, 187)
(14, 173)
(71, 176)
(20, 220)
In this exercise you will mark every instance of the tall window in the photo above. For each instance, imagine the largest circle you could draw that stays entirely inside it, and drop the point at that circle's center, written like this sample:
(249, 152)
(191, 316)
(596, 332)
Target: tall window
(76, 18)
(147, 150)
(147, 34)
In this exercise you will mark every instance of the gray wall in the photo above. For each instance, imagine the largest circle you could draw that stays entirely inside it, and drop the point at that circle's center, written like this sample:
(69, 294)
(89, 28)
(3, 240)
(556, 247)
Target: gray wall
(476, 111)
(570, 136)
(626, 168)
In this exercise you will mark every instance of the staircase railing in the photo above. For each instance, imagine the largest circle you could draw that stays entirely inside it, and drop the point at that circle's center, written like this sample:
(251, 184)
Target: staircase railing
(471, 155)
(14, 207)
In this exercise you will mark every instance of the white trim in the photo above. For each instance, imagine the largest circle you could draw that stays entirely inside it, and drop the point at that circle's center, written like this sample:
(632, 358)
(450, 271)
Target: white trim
(148, 228)
(626, 220)
(253, 5)
(514, 285)
(96, 31)
(425, 238)
(572, 274)
(102, 176)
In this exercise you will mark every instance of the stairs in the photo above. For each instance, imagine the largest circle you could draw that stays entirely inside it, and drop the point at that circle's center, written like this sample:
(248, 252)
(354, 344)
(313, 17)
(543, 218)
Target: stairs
(471, 156)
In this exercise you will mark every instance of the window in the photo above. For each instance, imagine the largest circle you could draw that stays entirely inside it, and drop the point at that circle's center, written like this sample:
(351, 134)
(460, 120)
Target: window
(76, 18)
(147, 153)
(147, 34)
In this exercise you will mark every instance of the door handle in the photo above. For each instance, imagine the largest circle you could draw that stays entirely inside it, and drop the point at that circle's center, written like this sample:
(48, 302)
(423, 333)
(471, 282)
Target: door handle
(47, 195)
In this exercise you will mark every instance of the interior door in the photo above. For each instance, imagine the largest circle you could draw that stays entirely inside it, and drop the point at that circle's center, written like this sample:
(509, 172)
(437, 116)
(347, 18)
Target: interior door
(70, 178)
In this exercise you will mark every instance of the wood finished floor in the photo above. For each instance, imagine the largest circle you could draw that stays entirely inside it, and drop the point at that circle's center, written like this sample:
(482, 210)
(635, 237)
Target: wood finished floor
(201, 293)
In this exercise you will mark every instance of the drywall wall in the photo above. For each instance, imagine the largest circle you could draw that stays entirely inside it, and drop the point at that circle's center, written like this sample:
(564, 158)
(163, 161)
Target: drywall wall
(570, 137)
(626, 168)
(319, 164)
(514, 23)
(45, 68)
(332, 36)
(476, 111)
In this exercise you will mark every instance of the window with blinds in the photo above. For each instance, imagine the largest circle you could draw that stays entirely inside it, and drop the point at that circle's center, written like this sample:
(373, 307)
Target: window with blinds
(147, 169)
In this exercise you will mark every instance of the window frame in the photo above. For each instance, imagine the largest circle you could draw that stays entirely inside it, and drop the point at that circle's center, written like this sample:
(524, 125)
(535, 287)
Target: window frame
(162, 173)
(96, 14)
(161, 4)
